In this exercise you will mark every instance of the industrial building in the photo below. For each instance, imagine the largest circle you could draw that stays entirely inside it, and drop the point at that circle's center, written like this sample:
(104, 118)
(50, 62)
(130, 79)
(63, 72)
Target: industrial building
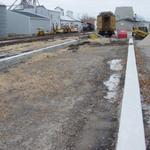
(32, 18)
(29, 16)
(52, 15)
(25, 23)
(26, 18)
(125, 18)
(3, 21)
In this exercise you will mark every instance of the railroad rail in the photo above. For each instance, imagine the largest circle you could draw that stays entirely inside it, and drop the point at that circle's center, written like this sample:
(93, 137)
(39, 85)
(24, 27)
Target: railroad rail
(36, 38)
(131, 131)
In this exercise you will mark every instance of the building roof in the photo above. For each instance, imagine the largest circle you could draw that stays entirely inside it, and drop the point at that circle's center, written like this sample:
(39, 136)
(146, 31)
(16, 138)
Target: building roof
(67, 18)
(127, 19)
(124, 12)
(132, 20)
(59, 8)
(75, 19)
(55, 11)
(30, 14)
(1, 4)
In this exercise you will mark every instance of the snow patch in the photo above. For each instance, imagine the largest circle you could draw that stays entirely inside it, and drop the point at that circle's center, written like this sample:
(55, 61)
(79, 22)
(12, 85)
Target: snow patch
(116, 64)
(113, 82)
(112, 86)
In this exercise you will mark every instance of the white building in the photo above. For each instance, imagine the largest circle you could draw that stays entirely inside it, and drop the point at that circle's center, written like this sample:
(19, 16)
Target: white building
(52, 15)
(69, 19)
(3, 17)
(26, 23)
(61, 10)
(29, 18)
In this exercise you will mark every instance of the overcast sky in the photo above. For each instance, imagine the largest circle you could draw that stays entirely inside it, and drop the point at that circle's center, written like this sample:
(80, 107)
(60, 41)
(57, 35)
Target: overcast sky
(93, 7)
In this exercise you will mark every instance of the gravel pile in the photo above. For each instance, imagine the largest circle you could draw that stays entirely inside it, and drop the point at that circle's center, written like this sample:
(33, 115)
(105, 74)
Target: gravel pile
(145, 42)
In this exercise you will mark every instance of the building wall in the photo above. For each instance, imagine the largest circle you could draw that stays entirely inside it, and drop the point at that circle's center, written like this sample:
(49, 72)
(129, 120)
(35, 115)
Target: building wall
(42, 11)
(39, 10)
(3, 17)
(124, 25)
(124, 12)
(17, 23)
(30, 10)
(36, 23)
(53, 16)
(55, 19)
(60, 10)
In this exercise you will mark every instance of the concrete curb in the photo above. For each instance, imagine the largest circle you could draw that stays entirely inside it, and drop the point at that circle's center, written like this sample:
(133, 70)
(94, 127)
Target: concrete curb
(131, 134)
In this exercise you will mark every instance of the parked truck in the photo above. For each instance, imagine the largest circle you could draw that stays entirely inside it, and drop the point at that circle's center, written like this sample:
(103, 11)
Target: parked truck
(106, 23)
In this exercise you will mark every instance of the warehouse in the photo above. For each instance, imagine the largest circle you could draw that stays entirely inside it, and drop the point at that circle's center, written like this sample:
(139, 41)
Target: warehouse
(3, 15)
(25, 23)
(31, 17)
(53, 16)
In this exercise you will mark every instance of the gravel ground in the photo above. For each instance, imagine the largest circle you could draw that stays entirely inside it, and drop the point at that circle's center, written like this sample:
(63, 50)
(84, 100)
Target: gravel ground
(143, 62)
(55, 101)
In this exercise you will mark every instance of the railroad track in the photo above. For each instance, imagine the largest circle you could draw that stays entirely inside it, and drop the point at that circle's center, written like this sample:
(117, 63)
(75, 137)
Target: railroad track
(34, 38)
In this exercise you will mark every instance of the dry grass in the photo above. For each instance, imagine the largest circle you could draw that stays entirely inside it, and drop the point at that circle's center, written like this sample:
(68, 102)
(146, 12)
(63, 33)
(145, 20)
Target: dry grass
(31, 45)
(30, 83)
(143, 77)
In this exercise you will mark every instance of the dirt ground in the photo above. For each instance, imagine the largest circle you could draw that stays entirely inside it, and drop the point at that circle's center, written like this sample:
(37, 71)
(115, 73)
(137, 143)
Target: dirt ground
(55, 101)
(143, 62)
